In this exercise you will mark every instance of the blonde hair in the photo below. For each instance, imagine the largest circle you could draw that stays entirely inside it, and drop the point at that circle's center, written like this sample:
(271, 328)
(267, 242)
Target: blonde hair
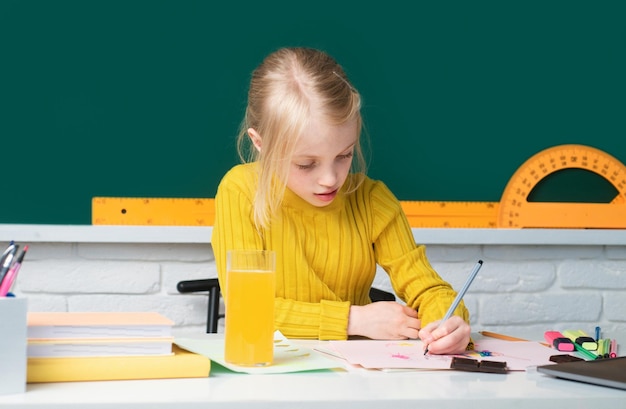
(283, 90)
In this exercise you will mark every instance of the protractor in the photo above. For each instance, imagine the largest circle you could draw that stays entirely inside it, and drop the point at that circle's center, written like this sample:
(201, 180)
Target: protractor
(517, 212)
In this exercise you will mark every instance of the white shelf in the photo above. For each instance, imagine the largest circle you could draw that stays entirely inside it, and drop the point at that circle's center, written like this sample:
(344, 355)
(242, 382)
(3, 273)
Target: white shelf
(177, 234)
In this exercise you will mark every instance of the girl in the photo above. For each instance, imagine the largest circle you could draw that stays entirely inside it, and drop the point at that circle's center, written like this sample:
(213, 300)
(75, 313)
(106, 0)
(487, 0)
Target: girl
(303, 193)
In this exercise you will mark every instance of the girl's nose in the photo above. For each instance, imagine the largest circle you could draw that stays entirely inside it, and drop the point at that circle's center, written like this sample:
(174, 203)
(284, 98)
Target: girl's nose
(328, 177)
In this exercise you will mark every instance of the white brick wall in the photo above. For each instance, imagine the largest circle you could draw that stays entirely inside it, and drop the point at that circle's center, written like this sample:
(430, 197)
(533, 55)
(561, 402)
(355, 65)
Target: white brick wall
(117, 277)
(538, 288)
(521, 286)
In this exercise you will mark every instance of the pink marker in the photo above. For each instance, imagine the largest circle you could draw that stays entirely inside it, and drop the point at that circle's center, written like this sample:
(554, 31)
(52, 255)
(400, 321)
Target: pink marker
(558, 341)
(9, 279)
(613, 349)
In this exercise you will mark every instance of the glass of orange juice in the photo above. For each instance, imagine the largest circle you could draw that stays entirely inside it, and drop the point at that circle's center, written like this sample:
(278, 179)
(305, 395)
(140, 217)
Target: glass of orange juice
(249, 298)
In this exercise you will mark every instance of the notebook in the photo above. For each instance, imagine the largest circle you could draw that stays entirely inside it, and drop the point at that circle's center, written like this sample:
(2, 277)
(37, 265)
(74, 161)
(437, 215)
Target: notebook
(180, 364)
(609, 372)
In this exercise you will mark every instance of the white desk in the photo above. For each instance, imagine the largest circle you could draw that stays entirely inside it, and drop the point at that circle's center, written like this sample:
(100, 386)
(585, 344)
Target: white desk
(353, 388)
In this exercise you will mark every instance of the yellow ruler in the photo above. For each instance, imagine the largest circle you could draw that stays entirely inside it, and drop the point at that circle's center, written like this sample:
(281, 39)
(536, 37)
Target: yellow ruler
(201, 212)
(152, 211)
(451, 214)
(513, 211)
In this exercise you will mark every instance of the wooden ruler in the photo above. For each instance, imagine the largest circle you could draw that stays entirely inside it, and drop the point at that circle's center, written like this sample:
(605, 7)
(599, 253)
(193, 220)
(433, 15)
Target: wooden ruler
(513, 210)
(517, 212)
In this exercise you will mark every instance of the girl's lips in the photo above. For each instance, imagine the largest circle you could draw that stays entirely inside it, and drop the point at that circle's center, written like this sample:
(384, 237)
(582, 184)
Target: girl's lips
(326, 197)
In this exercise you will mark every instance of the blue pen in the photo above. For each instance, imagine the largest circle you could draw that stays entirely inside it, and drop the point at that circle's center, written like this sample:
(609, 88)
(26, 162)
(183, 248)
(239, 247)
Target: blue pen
(459, 296)
(597, 334)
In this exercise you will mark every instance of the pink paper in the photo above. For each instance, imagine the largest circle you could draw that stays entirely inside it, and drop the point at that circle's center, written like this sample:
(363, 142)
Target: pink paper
(409, 354)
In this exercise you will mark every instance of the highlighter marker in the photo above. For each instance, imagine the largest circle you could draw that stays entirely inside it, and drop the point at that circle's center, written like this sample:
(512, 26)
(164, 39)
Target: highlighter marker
(558, 341)
(600, 350)
(613, 349)
(606, 348)
(581, 338)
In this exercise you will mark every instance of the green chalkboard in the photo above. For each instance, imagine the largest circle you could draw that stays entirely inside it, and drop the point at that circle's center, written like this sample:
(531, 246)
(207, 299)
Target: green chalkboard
(142, 98)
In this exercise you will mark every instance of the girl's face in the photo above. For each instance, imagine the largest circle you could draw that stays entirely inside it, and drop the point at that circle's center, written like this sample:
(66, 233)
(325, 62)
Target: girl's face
(321, 161)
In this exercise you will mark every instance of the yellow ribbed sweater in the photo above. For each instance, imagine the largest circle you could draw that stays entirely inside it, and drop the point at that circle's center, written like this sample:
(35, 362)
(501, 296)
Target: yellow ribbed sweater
(326, 256)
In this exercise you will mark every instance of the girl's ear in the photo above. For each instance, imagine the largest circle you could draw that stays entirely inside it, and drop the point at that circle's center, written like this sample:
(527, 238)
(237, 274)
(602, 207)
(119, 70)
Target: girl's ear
(256, 138)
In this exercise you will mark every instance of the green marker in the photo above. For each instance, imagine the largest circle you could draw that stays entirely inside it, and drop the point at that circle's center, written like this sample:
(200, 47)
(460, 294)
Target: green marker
(587, 354)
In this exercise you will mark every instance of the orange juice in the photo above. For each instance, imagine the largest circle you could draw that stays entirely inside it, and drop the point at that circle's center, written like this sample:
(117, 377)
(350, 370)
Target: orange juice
(249, 328)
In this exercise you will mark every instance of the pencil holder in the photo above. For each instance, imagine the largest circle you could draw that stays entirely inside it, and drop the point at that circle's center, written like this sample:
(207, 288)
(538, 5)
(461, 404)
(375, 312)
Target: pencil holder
(13, 345)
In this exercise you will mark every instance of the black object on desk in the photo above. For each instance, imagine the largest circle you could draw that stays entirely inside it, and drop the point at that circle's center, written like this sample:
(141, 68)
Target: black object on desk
(473, 365)
(559, 359)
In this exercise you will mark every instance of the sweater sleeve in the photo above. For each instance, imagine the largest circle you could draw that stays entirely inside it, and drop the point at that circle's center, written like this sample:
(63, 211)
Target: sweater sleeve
(413, 278)
(326, 320)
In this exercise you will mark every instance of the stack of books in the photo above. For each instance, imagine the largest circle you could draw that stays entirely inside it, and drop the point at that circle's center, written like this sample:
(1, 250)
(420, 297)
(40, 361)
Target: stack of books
(82, 346)
(91, 334)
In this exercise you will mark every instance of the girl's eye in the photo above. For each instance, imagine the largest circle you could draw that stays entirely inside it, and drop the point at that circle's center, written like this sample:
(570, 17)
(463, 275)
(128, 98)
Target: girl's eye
(305, 167)
(346, 156)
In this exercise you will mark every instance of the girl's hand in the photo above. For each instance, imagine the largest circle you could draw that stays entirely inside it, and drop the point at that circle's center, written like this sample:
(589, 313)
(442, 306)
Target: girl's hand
(451, 338)
(383, 320)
